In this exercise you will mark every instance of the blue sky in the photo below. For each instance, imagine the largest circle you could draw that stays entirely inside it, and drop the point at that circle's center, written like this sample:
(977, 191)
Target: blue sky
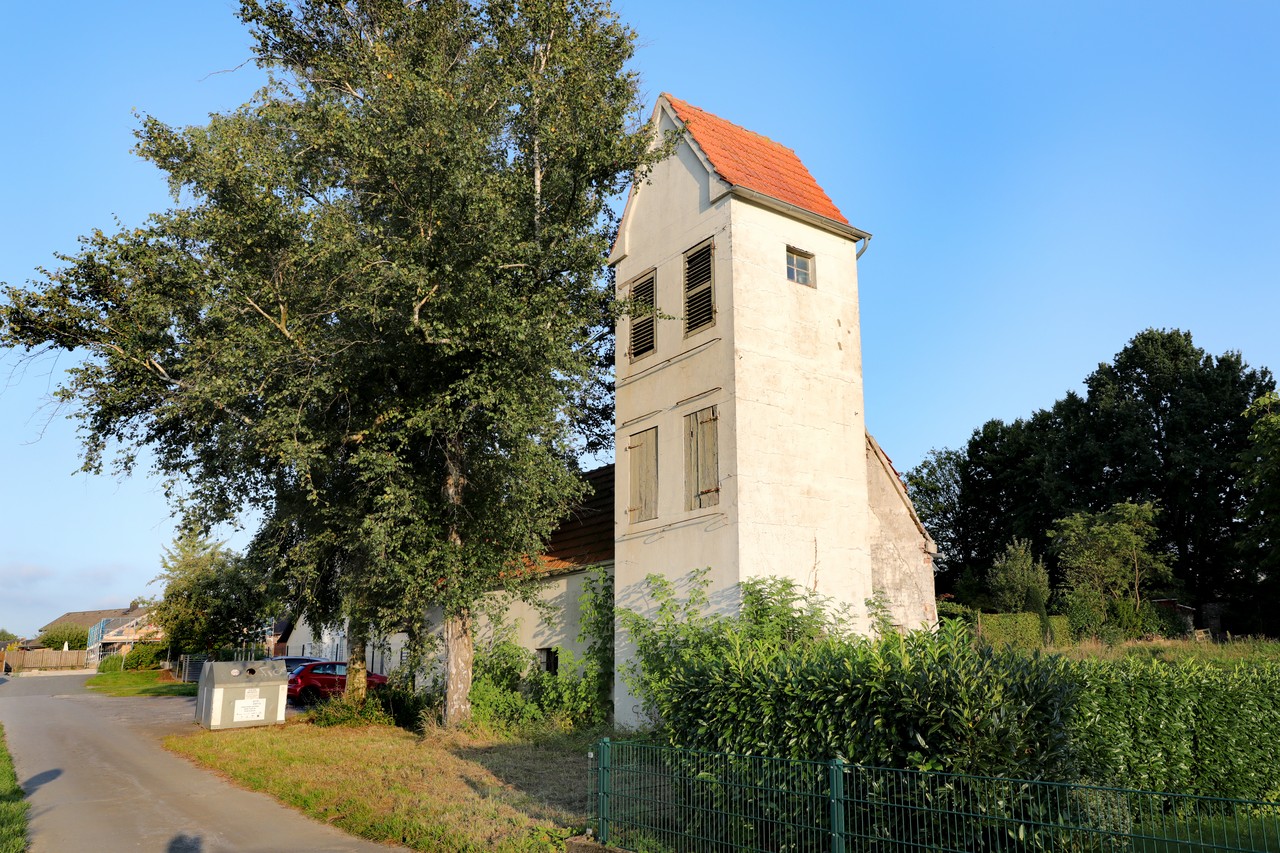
(1043, 181)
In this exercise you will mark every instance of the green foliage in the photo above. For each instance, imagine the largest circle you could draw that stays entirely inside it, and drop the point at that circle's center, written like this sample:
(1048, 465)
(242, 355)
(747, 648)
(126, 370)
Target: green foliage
(13, 805)
(7, 637)
(493, 707)
(935, 489)
(74, 636)
(1163, 422)
(353, 713)
(1111, 551)
(212, 596)
(504, 664)
(144, 656)
(1018, 630)
(596, 632)
(571, 695)
(1016, 583)
(1185, 727)
(1059, 631)
(681, 633)
(111, 663)
(377, 315)
(951, 609)
(924, 700)
(510, 691)
(1260, 463)
(943, 701)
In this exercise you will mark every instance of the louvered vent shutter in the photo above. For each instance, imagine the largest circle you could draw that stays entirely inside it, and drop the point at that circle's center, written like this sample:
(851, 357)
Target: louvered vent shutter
(702, 459)
(642, 298)
(699, 300)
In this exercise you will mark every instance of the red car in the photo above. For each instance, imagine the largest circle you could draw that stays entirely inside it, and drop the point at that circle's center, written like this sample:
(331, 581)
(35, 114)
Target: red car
(311, 682)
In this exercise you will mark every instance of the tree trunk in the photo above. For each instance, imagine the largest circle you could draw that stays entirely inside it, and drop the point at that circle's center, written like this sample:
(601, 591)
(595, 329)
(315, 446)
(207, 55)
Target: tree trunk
(459, 655)
(357, 672)
(458, 648)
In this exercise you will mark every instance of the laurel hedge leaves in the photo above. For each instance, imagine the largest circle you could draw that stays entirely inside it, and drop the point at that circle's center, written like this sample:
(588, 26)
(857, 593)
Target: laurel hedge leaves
(1184, 727)
(943, 700)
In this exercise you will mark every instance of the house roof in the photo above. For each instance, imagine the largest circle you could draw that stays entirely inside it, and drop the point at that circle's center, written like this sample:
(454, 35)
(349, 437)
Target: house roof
(755, 162)
(88, 618)
(585, 537)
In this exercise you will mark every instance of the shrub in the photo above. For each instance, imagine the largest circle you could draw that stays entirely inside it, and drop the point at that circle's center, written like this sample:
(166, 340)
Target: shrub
(943, 700)
(341, 711)
(145, 656)
(570, 695)
(926, 701)
(74, 636)
(948, 609)
(1184, 727)
(1059, 631)
(407, 707)
(504, 664)
(111, 663)
(1018, 630)
(496, 707)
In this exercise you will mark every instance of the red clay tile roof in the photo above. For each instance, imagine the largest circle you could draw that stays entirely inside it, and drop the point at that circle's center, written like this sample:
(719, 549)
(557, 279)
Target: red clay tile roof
(585, 538)
(755, 162)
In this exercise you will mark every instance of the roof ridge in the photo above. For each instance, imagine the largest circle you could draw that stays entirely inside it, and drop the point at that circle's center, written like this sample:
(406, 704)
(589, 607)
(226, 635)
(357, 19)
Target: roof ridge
(750, 160)
(674, 100)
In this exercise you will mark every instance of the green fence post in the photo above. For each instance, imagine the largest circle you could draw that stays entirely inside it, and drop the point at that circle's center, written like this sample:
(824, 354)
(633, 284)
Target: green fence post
(602, 792)
(835, 773)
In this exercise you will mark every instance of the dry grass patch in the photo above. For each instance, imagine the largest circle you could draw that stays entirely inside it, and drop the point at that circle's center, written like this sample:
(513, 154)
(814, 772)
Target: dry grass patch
(443, 791)
(1245, 650)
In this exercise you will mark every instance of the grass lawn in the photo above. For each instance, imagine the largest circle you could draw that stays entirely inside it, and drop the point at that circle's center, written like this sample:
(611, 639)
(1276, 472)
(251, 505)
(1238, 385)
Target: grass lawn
(1230, 653)
(152, 682)
(442, 791)
(13, 808)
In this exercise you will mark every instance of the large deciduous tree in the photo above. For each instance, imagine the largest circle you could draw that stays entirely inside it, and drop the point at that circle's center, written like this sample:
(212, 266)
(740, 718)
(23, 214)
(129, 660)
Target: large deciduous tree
(934, 486)
(1163, 422)
(212, 597)
(1261, 466)
(376, 313)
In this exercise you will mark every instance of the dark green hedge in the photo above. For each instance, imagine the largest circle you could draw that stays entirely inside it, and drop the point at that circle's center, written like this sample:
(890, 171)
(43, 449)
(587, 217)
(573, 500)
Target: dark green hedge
(1185, 727)
(780, 681)
(1019, 630)
(932, 701)
(1059, 631)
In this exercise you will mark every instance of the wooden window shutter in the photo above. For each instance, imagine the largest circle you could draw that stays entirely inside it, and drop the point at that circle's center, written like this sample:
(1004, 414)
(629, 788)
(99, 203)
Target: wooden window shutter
(642, 317)
(642, 458)
(699, 297)
(702, 458)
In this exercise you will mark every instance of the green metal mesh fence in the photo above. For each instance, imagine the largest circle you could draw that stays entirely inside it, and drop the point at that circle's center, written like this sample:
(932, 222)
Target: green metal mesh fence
(654, 799)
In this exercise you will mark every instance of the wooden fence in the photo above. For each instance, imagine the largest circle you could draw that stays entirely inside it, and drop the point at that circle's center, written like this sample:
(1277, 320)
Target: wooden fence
(18, 660)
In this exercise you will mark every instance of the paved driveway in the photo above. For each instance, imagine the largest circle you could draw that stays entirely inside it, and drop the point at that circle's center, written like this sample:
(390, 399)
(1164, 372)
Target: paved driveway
(97, 779)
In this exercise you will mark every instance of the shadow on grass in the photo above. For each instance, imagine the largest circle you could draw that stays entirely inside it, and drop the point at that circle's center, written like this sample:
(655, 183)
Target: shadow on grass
(550, 771)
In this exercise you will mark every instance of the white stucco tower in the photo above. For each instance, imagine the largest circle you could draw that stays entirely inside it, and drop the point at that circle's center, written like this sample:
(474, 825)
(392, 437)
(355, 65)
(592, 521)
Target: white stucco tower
(741, 436)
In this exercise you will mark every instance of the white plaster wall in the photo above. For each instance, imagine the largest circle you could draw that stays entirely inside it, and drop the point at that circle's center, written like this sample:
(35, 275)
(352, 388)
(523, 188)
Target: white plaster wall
(680, 206)
(535, 628)
(901, 556)
(801, 465)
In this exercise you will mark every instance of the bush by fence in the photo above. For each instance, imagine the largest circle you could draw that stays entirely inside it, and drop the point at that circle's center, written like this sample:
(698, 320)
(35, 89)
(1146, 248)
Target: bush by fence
(655, 798)
(1182, 727)
(796, 686)
(928, 701)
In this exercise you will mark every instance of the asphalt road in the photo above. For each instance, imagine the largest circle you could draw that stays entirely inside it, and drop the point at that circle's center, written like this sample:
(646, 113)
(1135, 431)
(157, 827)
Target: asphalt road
(98, 779)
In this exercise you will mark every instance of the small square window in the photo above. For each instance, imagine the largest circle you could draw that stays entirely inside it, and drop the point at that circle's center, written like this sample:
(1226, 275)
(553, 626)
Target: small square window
(800, 267)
